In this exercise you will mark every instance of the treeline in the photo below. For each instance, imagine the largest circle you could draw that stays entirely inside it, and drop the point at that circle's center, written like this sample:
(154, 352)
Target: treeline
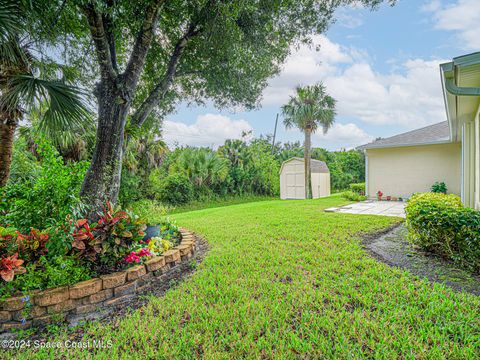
(172, 176)
(237, 167)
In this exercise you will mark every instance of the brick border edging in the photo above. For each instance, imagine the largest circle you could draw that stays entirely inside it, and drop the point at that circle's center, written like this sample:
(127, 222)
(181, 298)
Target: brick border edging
(81, 299)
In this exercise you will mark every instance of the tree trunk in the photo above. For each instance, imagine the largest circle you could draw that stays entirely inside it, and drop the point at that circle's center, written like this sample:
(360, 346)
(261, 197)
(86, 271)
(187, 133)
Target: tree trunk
(308, 169)
(8, 124)
(102, 181)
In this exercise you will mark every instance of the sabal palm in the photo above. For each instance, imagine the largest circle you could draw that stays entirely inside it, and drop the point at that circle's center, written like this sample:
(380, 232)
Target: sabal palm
(310, 109)
(202, 166)
(21, 90)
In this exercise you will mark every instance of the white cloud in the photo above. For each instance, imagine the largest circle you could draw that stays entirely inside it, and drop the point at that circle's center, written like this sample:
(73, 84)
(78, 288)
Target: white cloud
(341, 134)
(462, 17)
(410, 96)
(305, 64)
(208, 130)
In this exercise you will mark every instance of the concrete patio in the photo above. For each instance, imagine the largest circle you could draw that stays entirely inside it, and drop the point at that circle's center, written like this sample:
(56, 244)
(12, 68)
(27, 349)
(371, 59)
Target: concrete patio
(372, 207)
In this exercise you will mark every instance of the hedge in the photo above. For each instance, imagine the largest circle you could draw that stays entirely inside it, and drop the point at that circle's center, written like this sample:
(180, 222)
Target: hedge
(440, 224)
(358, 188)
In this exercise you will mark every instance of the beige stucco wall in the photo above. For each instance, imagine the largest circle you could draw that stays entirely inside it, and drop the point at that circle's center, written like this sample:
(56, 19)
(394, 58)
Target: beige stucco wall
(402, 171)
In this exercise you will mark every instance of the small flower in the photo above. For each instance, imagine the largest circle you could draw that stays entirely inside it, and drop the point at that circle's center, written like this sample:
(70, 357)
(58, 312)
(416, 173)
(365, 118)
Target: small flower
(26, 298)
(24, 321)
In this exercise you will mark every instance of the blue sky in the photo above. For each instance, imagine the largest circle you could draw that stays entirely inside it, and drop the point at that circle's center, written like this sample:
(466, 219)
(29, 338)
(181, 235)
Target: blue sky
(381, 66)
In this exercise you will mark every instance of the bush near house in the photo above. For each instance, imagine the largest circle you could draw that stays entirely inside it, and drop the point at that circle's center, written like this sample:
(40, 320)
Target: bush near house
(440, 224)
(353, 196)
(358, 188)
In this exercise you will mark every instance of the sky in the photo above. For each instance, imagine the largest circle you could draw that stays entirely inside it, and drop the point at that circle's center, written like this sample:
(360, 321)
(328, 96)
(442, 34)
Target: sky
(382, 67)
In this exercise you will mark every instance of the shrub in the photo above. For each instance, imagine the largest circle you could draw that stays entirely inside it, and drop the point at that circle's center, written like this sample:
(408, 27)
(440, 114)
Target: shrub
(176, 190)
(439, 187)
(440, 224)
(43, 200)
(358, 188)
(353, 196)
(106, 243)
(155, 184)
(131, 188)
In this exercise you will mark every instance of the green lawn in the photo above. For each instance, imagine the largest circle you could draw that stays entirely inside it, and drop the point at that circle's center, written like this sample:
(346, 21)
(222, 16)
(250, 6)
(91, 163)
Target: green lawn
(284, 279)
(154, 211)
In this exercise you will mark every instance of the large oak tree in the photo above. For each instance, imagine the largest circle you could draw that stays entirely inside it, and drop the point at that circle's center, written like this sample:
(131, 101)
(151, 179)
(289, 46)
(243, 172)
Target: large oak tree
(148, 54)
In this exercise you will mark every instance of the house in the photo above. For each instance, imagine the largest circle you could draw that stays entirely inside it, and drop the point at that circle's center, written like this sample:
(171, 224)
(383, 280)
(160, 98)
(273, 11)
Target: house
(292, 179)
(448, 151)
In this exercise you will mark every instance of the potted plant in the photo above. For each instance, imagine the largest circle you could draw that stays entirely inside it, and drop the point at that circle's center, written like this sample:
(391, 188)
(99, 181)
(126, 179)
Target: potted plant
(394, 198)
(379, 195)
(389, 198)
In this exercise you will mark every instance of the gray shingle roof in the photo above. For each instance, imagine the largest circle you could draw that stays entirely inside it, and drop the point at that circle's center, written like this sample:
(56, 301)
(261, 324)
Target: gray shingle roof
(432, 134)
(316, 165)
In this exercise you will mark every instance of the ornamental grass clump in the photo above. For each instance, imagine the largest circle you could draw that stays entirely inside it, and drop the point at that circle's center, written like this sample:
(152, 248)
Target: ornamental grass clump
(440, 224)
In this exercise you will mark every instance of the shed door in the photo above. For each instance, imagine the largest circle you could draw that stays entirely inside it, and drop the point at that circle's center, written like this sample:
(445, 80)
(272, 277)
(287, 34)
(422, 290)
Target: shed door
(295, 181)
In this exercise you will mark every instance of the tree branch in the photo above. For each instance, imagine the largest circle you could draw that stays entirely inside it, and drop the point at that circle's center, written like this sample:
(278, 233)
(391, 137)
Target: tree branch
(109, 35)
(99, 37)
(142, 45)
(162, 87)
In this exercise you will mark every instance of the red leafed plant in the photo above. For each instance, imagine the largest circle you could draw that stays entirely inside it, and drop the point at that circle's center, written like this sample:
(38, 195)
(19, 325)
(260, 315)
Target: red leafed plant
(117, 233)
(10, 266)
(32, 245)
(84, 241)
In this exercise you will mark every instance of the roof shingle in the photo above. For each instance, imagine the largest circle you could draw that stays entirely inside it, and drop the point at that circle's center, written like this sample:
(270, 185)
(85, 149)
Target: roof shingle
(436, 133)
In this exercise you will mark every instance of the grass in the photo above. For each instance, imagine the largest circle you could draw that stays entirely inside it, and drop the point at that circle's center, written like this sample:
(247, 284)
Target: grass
(153, 211)
(283, 279)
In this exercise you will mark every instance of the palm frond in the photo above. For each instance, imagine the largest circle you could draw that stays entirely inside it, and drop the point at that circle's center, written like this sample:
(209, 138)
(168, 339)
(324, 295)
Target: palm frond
(64, 103)
(310, 108)
(10, 19)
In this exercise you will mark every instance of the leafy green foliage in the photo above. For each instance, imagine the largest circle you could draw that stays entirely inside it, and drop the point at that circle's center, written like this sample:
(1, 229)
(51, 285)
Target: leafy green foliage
(439, 187)
(440, 224)
(353, 196)
(47, 273)
(346, 167)
(253, 169)
(202, 166)
(116, 233)
(131, 187)
(47, 196)
(358, 188)
(176, 189)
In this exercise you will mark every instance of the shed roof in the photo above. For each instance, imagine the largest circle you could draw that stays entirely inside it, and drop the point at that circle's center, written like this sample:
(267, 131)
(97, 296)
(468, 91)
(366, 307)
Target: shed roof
(432, 134)
(316, 165)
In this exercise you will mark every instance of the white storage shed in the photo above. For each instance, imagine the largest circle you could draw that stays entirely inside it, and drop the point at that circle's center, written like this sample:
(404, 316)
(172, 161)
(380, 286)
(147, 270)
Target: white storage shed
(292, 179)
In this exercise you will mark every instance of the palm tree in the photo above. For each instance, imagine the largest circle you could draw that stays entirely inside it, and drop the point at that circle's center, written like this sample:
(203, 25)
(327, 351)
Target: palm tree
(23, 87)
(309, 109)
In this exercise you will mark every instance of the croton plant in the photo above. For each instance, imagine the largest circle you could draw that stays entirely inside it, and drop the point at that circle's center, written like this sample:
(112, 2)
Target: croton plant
(108, 241)
(10, 264)
(112, 243)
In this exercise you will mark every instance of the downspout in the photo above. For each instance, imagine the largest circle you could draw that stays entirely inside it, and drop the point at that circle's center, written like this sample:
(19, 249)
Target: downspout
(462, 175)
(366, 174)
(453, 89)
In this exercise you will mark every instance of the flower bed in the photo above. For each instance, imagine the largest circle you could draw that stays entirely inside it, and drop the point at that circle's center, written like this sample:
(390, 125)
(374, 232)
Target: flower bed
(79, 300)
(75, 259)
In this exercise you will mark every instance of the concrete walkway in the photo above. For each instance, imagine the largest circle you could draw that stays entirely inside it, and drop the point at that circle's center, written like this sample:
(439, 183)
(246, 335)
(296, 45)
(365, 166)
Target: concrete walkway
(372, 207)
